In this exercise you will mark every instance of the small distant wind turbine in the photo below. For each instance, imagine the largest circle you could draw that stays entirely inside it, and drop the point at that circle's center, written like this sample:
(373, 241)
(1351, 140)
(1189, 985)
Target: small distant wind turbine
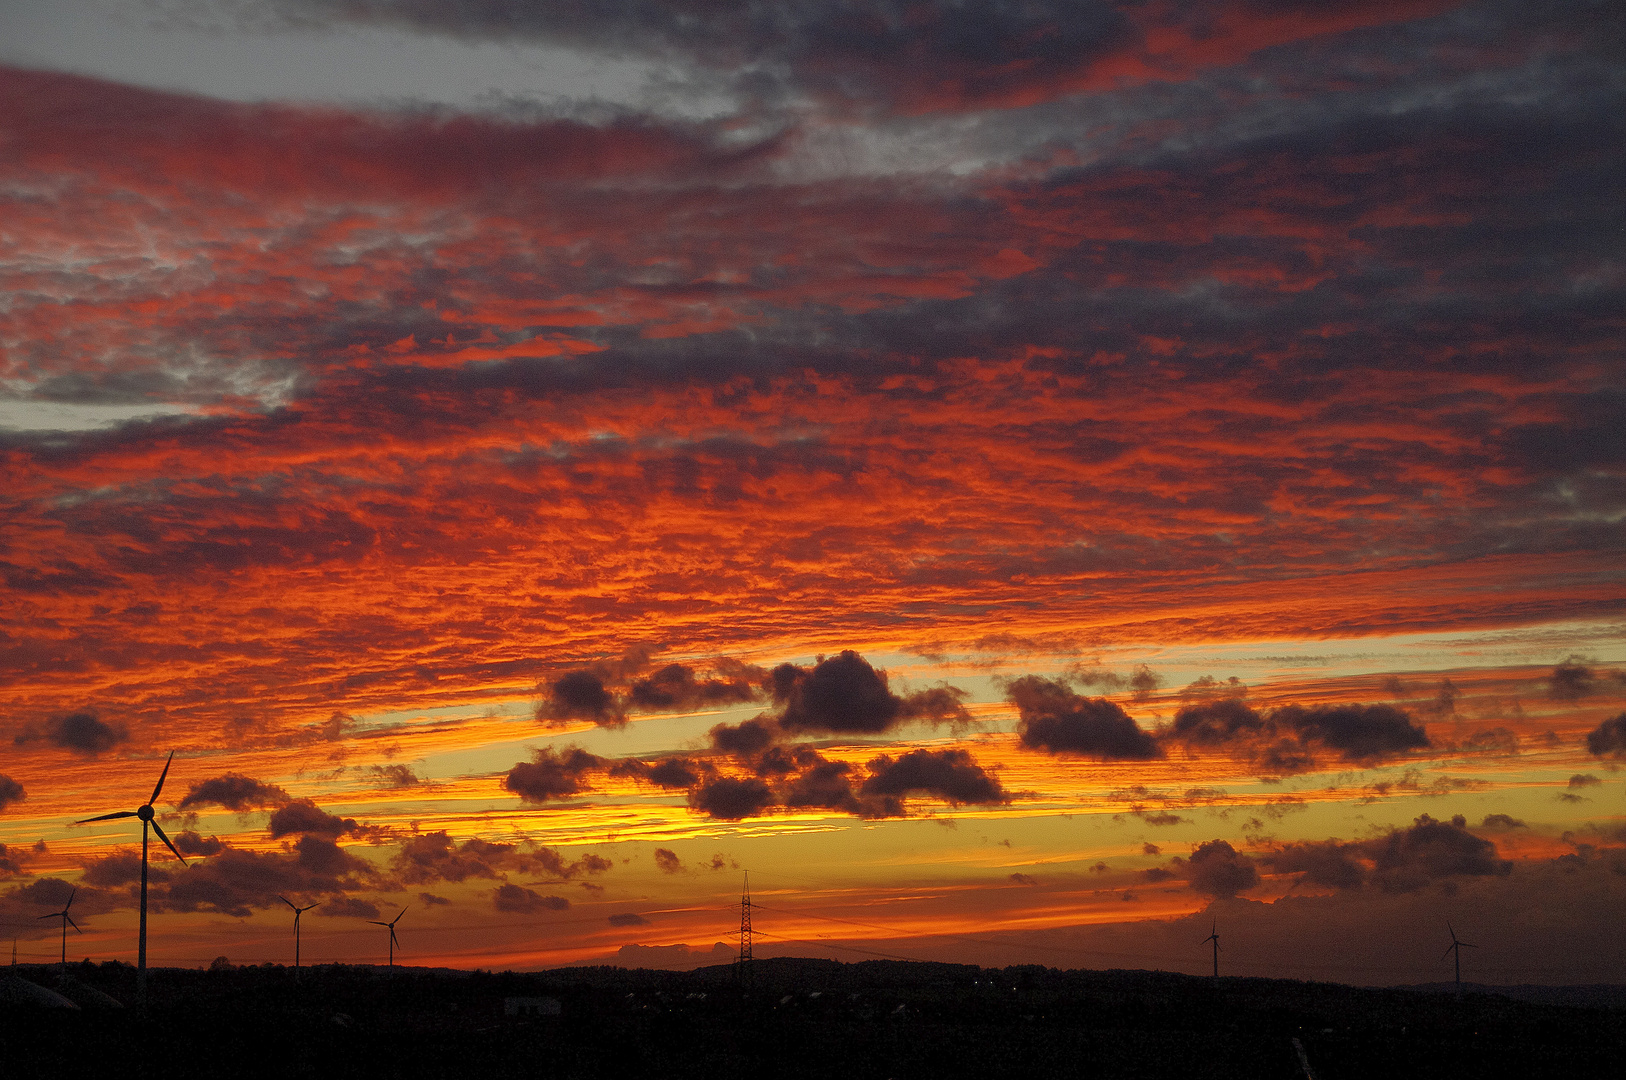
(1456, 947)
(145, 813)
(1214, 937)
(298, 911)
(393, 941)
(67, 921)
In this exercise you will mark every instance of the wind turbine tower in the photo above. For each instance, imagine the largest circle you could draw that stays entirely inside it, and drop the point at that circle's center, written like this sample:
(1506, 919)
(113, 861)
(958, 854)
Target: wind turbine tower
(67, 921)
(1214, 937)
(1456, 947)
(298, 911)
(145, 813)
(393, 941)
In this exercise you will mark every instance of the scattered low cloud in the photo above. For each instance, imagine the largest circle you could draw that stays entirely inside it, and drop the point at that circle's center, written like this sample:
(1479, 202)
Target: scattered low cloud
(552, 774)
(1400, 860)
(426, 858)
(1608, 739)
(844, 694)
(10, 792)
(304, 816)
(394, 776)
(1572, 680)
(518, 900)
(731, 798)
(1056, 720)
(236, 792)
(348, 907)
(81, 732)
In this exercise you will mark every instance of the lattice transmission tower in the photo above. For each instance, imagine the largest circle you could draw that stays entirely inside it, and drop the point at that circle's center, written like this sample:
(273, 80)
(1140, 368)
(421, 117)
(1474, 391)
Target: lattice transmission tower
(742, 965)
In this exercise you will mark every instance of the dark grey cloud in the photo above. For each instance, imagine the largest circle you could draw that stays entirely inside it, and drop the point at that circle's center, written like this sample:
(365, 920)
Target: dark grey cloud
(1608, 739)
(628, 918)
(676, 686)
(11, 863)
(348, 907)
(747, 737)
(1357, 732)
(668, 772)
(1321, 862)
(950, 775)
(394, 776)
(819, 783)
(426, 858)
(236, 883)
(1581, 780)
(1407, 859)
(605, 693)
(518, 900)
(234, 791)
(10, 792)
(121, 868)
(668, 861)
(552, 774)
(1571, 680)
(1217, 869)
(81, 732)
(845, 695)
(1144, 682)
(1208, 688)
(1058, 721)
(1284, 740)
(581, 695)
(731, 798)
(304, 816)
(190, 843)
(1401, 860)
(1217, 721)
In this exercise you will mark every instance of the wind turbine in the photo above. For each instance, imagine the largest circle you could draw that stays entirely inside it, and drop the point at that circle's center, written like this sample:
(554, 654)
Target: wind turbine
(298, 911)
(393, 941)
(1456, 947)
(67, 921)
(1214, 937)
(145, 813)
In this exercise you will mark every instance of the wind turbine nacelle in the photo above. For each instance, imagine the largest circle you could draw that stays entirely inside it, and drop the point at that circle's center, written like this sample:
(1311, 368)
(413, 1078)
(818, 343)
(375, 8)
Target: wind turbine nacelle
(145, 813)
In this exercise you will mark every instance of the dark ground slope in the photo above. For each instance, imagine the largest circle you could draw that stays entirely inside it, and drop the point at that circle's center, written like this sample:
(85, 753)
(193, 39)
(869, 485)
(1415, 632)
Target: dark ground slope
(798, 1018)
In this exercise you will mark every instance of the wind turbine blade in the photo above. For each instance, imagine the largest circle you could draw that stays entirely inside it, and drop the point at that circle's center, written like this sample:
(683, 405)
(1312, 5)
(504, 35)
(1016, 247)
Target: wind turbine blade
(160, 785)
(289, 902)
(71, 894)
(71, 923)
(159, 830)
(1466, 945)
(398, 917)
(393, 939)
(107, 817)
(53, 915)
(308, 907)
(1447, 951)
(375, 922)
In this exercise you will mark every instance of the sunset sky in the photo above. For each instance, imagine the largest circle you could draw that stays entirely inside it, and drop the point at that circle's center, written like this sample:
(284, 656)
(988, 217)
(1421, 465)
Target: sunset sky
(1030, 482)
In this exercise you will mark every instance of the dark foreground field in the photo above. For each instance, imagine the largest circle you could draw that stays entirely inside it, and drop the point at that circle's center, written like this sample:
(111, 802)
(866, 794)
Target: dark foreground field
(798, 1018)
